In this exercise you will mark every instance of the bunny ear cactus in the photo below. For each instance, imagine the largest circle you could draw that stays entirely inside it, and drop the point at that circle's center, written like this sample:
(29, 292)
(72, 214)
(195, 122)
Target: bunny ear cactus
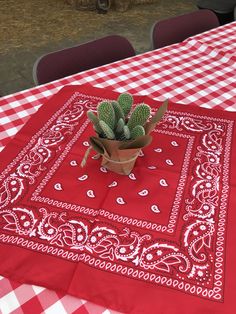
(111, 121)
(122, 131)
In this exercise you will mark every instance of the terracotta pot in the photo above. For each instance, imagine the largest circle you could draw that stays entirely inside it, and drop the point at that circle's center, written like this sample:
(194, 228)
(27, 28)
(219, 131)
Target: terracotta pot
(119, 156)
(122, 163)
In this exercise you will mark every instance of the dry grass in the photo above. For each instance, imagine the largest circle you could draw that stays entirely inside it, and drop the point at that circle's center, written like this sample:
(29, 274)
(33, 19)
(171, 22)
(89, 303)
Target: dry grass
(33, 23)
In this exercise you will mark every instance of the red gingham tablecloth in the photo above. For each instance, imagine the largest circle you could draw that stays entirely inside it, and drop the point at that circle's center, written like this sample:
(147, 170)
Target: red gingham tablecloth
(200, 71)
(221, 38)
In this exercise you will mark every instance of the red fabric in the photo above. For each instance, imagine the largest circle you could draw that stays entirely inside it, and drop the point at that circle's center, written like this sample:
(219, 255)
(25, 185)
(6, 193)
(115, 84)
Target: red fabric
(153, 240)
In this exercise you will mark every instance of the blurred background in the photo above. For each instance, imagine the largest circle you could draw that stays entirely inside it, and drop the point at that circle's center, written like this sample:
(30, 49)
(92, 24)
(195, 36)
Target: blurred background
(30, 28)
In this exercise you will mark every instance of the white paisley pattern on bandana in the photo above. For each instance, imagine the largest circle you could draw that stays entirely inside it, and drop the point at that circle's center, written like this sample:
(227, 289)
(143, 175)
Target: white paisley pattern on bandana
(189, 258)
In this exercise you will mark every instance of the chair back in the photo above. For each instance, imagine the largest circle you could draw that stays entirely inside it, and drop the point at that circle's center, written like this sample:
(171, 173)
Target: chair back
(177, 29)
(58, 64)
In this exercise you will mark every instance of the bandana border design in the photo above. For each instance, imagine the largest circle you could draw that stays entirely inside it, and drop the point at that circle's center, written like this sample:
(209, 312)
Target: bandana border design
(20, 177)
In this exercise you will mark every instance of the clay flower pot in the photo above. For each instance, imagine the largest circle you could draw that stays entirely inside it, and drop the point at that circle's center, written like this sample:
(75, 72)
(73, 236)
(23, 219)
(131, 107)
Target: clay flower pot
(119, 156)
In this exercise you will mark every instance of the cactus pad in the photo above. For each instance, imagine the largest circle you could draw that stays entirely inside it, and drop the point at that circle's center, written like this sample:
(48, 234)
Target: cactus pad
(120, 126)
(125, 101)
(139, 116)
(119, 114)
(94, 119)
(106, 113)
(126, 132)
(137, 131)
(107, 130)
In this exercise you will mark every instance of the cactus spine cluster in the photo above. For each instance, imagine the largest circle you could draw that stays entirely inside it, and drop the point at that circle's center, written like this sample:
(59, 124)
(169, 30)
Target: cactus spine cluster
(115, 121)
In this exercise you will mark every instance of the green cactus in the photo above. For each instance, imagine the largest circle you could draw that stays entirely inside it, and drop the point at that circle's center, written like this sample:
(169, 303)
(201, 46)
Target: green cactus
(139, 116)
(106, 113)
(126, 132)
(107, 130)
(94, 119)
(112, 122)
(119, 114)
(137, 131)
(125, 100)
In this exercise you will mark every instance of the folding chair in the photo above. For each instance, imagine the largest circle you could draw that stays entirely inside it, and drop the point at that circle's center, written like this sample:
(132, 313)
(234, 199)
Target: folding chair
(68, 61)
(176, 29)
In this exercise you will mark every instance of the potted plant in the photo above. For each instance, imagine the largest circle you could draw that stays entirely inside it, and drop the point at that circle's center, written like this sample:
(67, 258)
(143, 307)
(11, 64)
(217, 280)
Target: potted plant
(122, 132)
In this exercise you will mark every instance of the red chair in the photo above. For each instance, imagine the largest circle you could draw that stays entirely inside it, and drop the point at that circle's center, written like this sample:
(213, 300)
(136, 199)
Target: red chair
(177, 29)
(58, 64)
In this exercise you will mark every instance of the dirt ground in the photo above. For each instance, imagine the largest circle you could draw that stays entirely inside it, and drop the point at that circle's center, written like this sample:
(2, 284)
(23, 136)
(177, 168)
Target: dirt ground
(30, 28)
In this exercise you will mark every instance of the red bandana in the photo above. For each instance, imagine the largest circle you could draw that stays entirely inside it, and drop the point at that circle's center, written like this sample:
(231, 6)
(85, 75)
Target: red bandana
(155, 239)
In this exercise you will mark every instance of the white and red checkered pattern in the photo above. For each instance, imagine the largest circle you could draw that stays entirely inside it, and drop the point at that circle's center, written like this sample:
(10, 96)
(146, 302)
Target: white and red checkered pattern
(19, 298)
(221, 38)
(200, 70)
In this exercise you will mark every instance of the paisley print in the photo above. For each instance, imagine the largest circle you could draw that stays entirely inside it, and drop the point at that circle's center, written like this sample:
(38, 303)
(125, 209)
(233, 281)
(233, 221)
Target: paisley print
(185, 261)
